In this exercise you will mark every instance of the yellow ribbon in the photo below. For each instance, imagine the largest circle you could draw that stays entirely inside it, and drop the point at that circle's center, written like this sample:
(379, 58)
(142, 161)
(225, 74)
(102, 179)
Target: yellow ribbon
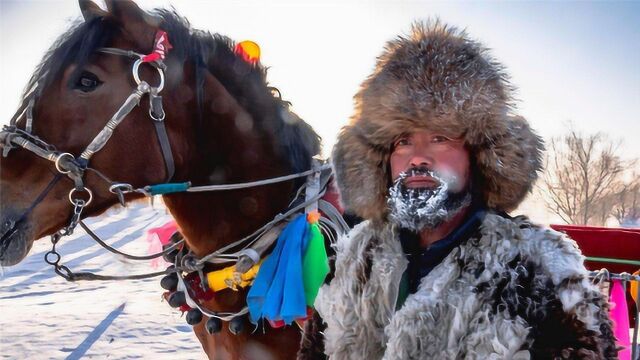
(230, 278)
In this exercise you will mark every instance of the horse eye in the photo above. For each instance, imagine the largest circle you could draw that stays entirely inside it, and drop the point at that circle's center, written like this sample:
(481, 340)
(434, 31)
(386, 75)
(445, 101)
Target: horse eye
(87, 82)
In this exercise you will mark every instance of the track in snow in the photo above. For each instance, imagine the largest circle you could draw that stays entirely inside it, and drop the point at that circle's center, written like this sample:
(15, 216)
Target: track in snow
(42, 316)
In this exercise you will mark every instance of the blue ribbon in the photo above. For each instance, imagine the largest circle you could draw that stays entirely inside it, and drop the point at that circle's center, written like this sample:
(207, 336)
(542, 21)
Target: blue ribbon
(277, 292)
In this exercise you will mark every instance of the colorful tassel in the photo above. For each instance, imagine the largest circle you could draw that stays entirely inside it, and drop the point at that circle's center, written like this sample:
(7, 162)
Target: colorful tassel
(291, 275)
(315, 264)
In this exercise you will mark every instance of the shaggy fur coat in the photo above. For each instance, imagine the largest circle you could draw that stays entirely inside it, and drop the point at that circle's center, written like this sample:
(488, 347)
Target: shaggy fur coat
(512, 291)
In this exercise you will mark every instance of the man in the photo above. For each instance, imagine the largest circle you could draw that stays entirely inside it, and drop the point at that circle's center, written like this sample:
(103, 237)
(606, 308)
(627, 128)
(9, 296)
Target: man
(432, 160)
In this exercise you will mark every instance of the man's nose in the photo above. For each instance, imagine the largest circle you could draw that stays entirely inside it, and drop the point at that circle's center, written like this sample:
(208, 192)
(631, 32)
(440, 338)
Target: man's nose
(421, 158)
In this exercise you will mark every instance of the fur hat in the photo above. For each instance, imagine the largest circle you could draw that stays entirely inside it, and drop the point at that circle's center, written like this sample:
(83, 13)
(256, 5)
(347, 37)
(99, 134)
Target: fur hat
(440, 80)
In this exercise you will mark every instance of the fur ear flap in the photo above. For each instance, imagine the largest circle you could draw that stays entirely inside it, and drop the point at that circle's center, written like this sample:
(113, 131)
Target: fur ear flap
(510, 164)
(90, 10)
(139, 25)
(363, 187)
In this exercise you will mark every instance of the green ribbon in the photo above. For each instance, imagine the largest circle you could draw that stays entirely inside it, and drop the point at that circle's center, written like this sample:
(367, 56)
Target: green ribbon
(613, 260)
(315, 264)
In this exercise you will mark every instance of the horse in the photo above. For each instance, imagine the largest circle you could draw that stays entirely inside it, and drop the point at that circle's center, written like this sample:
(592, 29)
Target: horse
(211, 118)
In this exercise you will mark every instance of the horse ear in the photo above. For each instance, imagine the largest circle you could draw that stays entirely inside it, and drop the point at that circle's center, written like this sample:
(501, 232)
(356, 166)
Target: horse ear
(90, 10)
(140, 25)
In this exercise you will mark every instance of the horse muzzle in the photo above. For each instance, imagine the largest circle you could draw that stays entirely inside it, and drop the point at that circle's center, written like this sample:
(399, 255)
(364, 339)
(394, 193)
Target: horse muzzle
(15, 241)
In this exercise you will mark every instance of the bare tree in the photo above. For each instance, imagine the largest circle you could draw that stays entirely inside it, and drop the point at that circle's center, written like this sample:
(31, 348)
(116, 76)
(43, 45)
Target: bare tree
(583, 171)
(627, 202)
(604, 209)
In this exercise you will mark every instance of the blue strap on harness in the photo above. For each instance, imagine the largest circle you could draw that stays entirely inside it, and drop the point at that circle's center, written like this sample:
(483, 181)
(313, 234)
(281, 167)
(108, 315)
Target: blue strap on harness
(169, 188)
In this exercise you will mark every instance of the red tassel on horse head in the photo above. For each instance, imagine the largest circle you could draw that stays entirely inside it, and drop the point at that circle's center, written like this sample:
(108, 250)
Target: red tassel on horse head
(160, 49)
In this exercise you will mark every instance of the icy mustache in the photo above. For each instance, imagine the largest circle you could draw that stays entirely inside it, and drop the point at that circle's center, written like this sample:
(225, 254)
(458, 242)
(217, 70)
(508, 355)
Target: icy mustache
(444, 180)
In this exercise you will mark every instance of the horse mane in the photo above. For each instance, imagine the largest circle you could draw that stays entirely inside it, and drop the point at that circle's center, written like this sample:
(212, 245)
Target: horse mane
(296, 142)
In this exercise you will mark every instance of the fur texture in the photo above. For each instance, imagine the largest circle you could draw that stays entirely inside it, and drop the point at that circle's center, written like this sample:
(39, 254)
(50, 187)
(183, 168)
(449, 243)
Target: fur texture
(512, 291)
(312, 343)
(436, 79)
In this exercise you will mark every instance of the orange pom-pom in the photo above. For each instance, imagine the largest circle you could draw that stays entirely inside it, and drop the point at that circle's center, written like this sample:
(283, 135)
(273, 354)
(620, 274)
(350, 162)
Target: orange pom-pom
(313, 217)
(249, 50)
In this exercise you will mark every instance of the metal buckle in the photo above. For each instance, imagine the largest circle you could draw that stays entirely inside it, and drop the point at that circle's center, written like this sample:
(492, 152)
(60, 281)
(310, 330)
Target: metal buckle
(161, 118)
(136, 76)
(57, 162)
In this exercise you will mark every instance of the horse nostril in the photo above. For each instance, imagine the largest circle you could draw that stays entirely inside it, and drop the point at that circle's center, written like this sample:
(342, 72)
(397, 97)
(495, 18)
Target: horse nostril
(8, 224)
(7, 227)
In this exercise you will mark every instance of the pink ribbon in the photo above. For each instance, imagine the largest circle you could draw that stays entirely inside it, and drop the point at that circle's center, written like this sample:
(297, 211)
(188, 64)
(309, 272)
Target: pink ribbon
(158, 236)
(619, 315)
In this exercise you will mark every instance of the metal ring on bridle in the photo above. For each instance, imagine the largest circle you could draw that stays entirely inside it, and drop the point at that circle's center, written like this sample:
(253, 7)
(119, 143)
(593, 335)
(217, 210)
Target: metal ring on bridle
(120, 187)
(60, 168)
(136, 76)
(161, 118)
(87, 202)
(49, 261)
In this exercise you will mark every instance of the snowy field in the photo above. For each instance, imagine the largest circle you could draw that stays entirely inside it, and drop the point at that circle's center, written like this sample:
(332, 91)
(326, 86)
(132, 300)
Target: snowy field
(42, 316)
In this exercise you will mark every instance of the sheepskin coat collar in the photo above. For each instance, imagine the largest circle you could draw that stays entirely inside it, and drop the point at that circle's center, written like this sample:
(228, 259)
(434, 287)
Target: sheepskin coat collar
(512, 291)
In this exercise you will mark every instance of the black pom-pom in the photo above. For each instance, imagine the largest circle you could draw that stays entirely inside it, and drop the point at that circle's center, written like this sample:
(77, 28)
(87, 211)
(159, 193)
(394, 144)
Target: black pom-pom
(169, 282)
(177, 299)
(194, 316)
(236, 325)
(213, 325)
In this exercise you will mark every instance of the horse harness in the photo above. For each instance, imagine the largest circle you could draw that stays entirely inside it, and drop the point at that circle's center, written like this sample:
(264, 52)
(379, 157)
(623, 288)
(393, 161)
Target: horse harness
(308, 198)
(65, 163)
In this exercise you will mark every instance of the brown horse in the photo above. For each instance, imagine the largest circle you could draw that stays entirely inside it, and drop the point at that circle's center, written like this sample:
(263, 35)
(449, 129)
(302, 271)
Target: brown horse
(223, 125)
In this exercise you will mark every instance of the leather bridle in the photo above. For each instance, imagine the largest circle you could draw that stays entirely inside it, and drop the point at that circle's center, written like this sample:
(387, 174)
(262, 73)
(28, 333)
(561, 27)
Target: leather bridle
(307, 199)
(74, 167)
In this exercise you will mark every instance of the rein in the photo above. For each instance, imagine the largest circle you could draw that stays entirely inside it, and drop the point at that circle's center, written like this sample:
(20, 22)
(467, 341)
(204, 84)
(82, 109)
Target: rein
(189, 263)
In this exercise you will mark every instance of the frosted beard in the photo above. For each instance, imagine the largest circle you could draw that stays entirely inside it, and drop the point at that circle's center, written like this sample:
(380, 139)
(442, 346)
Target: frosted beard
(425, 208)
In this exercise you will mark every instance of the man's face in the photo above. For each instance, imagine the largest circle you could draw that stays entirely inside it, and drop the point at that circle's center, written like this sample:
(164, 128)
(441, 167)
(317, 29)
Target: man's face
(430, 175)
(433, 151)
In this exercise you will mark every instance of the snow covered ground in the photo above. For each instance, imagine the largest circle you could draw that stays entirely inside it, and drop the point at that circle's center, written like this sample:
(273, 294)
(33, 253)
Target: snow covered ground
(42, 316)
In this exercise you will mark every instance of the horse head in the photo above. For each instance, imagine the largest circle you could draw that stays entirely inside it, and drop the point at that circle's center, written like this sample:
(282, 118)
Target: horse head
(222, 124)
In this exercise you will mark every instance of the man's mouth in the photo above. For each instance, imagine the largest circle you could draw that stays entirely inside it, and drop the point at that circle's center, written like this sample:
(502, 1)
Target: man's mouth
(421, 181)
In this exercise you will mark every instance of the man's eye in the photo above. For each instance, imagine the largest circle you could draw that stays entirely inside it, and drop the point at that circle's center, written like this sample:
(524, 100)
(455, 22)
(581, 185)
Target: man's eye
(87, 82)
(440, 138)
(401, 142)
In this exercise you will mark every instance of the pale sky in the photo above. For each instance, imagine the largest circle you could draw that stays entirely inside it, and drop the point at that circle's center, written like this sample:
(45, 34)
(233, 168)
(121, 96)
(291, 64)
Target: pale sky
(575, 61)
(572, 61)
